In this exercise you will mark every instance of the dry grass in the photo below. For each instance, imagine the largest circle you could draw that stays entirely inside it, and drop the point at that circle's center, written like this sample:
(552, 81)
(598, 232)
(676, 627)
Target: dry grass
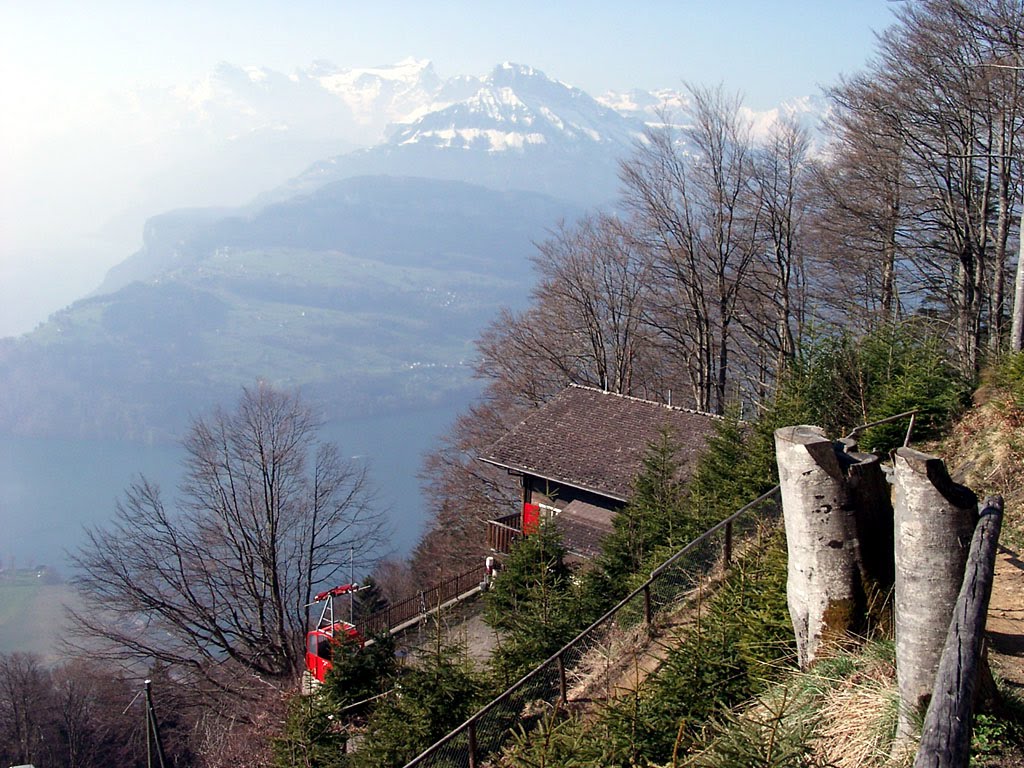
(986, 448)
(858, 718)
(843, 711)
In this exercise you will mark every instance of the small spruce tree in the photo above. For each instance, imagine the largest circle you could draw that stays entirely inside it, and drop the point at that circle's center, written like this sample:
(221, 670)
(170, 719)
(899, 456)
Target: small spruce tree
(312, 737)
(360, 671)
(431, 698)
(655, 517)
(532, 603)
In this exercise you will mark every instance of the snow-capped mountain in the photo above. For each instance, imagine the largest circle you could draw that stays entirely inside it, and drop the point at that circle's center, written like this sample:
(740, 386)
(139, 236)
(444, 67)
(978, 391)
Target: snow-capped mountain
(666, 106)
(518, 129)
(377, 96)
(354, 105)
(517, 106)
(648, 106)
(408, 120)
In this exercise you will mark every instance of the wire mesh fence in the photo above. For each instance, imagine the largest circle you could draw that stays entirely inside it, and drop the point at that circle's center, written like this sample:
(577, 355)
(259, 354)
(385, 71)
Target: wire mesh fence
(582, 667)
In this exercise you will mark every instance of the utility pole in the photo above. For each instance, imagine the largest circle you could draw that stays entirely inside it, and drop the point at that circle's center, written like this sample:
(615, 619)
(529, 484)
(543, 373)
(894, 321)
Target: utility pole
(153, 740)
(1017, 321)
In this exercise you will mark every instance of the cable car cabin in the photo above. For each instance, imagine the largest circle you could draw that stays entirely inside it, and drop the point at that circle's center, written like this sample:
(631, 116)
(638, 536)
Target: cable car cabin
(321, 642)
(320, 646)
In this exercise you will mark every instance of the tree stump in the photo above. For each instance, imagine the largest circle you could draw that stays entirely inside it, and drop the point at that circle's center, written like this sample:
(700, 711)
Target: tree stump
(946, 734)
(824, 590)
(934, 522)
(873, 514)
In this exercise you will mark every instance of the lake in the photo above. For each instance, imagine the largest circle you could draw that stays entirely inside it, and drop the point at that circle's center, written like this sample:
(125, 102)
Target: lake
(50, 489)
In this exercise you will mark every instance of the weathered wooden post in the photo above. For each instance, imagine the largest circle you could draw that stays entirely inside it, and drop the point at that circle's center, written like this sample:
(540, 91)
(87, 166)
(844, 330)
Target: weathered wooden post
(934, 521)
(823, 590)
(946, 735)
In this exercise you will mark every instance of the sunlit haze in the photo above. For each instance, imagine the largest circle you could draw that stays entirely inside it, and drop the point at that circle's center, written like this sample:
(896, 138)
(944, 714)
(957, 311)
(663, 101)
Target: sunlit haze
(94, 133)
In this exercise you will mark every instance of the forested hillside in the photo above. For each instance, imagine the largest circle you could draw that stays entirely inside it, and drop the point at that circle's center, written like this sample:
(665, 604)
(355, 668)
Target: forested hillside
(731, 262)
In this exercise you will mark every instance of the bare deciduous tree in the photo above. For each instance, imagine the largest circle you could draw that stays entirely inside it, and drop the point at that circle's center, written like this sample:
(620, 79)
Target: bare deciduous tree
(25, 700)
(221, 584)
(774, 296)
(698, 211)
(465, 492)
(861, 206)
(585, 325)
(941, 99)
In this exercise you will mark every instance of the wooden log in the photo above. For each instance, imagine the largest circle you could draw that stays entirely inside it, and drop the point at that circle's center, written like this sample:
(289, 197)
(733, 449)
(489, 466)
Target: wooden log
(823, 589)
(934, 521)
(946, 736)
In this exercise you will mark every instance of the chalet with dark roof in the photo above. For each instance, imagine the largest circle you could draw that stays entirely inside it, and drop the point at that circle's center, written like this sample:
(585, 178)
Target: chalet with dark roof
(577, 457)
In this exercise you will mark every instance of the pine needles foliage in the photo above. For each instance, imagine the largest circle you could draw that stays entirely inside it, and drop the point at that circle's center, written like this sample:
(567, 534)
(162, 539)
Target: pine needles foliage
(560, 740)
(360, 671)
(737, 643)
(430, 699)
(312, 737)
(1008, 374)
(532, 604)
(775, 733)
(736, 466)
(842, 381)
(656, 516)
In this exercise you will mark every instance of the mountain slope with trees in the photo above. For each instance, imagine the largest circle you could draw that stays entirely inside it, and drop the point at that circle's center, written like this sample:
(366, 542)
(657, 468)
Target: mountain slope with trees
(365, 293)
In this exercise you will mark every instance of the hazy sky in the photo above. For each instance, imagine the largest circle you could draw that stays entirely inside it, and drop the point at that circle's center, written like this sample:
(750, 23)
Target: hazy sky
(769, 49)
(61, 183)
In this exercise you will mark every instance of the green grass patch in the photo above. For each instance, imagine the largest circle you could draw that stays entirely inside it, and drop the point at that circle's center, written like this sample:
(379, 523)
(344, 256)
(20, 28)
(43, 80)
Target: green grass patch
(32, 616)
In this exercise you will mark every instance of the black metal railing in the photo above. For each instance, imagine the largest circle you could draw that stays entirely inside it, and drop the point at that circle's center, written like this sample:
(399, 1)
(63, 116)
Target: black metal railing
(420, 604)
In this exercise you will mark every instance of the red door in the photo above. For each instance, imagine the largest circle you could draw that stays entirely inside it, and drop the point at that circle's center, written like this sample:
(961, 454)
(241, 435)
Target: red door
(531, 518)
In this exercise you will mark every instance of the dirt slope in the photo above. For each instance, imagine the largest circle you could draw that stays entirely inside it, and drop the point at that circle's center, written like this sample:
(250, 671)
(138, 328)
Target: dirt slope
(988, 446)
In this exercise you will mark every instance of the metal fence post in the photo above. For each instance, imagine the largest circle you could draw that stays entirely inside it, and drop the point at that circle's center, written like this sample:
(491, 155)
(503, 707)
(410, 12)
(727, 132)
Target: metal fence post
(728, 543)
(648, 614)
(472, 743)
(563, 688)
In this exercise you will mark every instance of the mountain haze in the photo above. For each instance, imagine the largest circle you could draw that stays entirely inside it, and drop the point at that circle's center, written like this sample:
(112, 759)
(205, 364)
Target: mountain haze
(366, 293)
(364, 279)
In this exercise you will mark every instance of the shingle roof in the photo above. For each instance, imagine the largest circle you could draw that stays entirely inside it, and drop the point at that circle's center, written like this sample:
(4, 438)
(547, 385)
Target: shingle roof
(596, 441)
(583, 527)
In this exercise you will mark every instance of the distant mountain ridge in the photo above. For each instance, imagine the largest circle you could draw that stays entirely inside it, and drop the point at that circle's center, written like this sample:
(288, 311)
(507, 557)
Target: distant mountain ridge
(366, 293)
(519, 130)
(368, 106)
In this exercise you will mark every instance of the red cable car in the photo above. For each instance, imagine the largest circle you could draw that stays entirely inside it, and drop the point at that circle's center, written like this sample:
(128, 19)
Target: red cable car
(320, 642)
